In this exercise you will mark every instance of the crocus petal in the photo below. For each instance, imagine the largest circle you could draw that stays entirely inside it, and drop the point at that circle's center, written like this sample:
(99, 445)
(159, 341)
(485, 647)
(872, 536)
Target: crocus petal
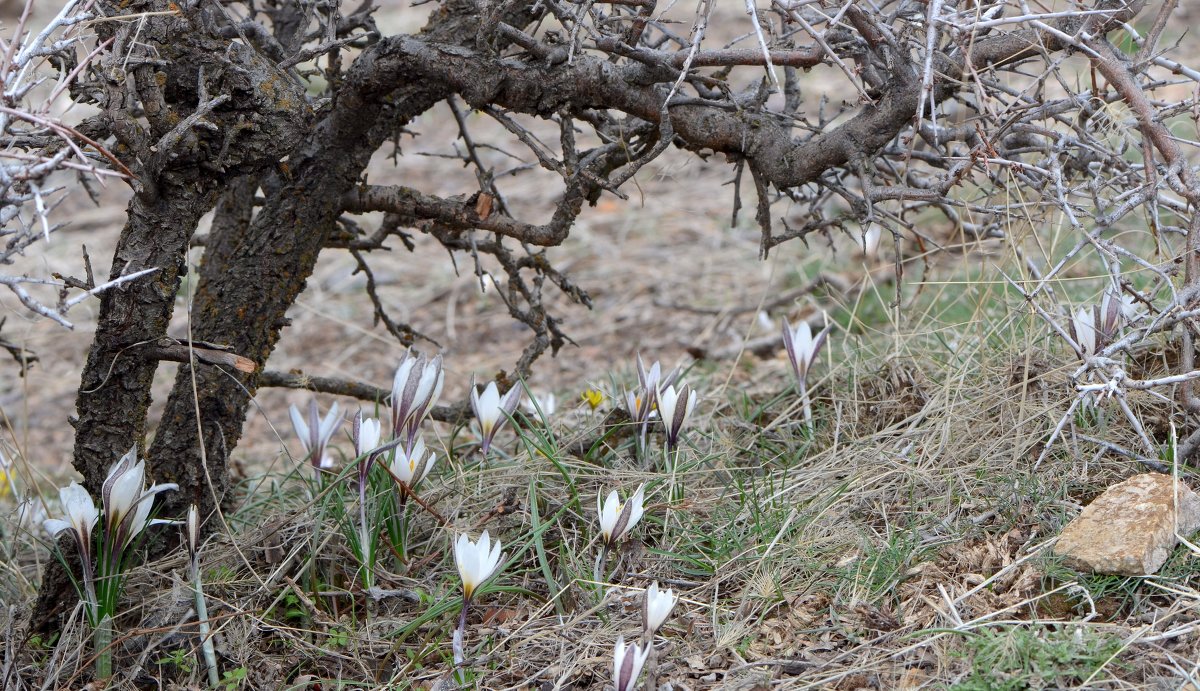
(512, 400)
(299, 425)
(399, 382)
(425, 386)
(54, 526)
(803, 338)
(141, 515)
(608, 511)
(421, 471)
(636, 508)
(493, 560)
(78, 506)
(1084, 326)
(125, 482)
(330, 424)
(789, 344)
(461, 545)
(487, 407)
(314, 425)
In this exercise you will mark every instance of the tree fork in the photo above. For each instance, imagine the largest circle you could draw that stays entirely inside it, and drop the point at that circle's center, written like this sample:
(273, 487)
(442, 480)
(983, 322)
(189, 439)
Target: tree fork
(263, 268)
(192, 146)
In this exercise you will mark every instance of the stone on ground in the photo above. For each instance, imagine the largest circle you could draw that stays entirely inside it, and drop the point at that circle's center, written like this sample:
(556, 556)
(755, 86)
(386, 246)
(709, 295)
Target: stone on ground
(1130, 529)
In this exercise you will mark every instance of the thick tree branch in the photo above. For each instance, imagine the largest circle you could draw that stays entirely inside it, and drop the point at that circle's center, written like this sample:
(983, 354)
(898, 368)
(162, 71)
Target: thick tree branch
(411, 204)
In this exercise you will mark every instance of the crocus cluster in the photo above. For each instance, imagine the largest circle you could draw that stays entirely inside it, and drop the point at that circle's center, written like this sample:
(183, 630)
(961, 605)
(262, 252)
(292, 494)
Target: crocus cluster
(416, 387)
(628, 660)
(126, 505)
(643, 402)
(398, 450)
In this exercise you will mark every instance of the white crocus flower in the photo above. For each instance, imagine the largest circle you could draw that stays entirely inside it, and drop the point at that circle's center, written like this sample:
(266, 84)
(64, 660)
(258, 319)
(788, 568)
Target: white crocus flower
(628, 663)
(802, 351)
(477, 561)
(415, 389)
(1095, 327)
(802, 348)
(316, 432)
(676, 407)
(1131, 308)
(410, 467)
(127, 501)
(492, 411)
(617, 519)
(657, 607)
(367, 432)
(79, 516)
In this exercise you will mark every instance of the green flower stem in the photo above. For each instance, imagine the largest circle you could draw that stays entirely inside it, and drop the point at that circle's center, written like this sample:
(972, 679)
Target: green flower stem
(206, 644)
(806, 402)
(102, 642)
(601, 558)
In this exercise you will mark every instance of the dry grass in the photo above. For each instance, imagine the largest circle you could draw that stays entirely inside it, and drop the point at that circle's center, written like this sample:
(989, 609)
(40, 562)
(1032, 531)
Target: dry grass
(901, 545)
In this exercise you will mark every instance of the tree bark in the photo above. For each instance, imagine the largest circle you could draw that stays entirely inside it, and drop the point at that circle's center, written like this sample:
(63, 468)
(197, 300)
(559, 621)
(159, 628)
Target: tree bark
(251, 275)
(214, 111)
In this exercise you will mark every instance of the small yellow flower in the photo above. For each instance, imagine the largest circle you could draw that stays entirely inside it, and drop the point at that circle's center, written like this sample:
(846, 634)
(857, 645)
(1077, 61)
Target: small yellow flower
(593, 397)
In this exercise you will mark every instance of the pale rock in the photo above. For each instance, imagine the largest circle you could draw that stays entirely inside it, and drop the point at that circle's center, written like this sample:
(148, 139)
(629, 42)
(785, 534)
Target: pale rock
(1130, 529)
